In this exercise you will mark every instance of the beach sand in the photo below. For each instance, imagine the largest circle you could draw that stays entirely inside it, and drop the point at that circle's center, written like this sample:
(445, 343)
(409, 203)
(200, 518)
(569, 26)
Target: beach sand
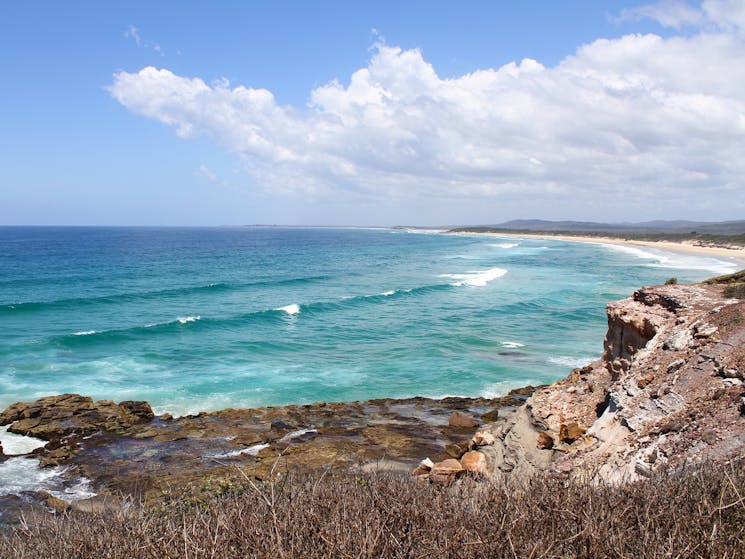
(734, 254)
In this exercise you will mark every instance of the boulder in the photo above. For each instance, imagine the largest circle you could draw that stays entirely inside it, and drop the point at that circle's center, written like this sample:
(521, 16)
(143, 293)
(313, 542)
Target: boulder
(461, 421)
(545, 441)
(570, 432)
(447, 471)
(456, 450)
(474, 463)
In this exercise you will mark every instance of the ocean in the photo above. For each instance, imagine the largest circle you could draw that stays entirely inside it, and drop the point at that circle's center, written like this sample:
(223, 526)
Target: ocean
(199, 319)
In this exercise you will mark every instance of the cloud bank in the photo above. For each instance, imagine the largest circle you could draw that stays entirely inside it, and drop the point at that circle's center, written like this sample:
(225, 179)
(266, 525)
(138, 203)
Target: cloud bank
(641, 116)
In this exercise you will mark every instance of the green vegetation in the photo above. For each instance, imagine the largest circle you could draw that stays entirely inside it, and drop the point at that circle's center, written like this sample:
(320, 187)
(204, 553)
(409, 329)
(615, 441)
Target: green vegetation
(671, 281)
(696, 513)
(705, 239)
(737, 277)
(734, 284)
(735, 291)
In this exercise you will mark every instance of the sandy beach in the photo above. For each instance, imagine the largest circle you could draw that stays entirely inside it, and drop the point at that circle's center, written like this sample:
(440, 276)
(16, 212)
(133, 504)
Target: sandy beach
(734, 254)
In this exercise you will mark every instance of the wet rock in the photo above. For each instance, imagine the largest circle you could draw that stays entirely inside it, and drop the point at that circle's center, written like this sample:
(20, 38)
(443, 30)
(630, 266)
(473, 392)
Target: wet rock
(474, 463)
(140, 411)
(446, 472)
(490, 416)
(56, 505)
(56, 456)
(570, 432)
(461, 421)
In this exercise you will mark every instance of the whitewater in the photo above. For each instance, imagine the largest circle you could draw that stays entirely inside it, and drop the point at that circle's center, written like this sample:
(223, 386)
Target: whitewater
(198, 319)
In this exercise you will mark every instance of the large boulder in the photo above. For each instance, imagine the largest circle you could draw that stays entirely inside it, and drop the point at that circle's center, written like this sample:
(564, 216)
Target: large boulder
(447, 471)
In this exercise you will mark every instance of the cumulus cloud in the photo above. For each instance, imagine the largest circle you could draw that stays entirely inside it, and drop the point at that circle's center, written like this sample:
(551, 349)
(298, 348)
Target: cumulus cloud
(641, 115)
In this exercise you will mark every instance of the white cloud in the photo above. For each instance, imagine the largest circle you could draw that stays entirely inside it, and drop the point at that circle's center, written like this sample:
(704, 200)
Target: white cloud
(639, 116)
(133, 33)
(712, 14)
(208, 173)
(670, 13)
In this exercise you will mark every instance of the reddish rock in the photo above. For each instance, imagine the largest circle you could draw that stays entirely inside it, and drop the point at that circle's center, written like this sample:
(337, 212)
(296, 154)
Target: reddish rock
(644, 381)
(570, 432)
(461, 421)
(474, 462)
(545, 441)
(456, 450)
(447, 471)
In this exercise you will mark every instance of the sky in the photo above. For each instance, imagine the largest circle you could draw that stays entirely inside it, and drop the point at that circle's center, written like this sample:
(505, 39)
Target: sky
(384, 113)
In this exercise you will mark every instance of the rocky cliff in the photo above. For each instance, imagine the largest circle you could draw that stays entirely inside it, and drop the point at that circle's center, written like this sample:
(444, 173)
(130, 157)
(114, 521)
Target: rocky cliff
(667, 391)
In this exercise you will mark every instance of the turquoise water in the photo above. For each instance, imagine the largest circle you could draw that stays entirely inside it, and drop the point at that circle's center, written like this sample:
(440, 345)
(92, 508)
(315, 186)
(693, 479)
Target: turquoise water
(206, 318)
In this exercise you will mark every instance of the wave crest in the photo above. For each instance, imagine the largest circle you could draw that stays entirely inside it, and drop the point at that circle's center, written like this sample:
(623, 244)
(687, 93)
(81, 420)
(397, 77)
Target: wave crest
(476, 278)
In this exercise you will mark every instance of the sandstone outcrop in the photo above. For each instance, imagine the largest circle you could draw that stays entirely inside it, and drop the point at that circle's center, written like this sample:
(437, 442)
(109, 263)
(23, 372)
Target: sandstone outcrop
(667, 391)
(124, 449)
(66, 415)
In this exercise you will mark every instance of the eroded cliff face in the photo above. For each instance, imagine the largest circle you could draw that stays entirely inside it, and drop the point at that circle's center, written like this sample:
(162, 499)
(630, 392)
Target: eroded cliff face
(667, 391)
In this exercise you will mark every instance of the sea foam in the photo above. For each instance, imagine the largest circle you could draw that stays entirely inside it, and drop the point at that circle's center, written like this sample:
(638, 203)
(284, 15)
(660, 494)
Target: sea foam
(18, 444)
(674, 260)
(294, 308)
(567, 361)
(249, 451)
(476, 278)
(24, 474)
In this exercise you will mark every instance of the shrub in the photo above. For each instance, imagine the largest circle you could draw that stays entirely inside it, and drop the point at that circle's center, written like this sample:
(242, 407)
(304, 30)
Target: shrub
(671, 281)
(697, 513)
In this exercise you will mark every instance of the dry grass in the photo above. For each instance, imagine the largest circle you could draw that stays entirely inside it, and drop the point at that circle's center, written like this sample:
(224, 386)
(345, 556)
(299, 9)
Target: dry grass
(700, 513)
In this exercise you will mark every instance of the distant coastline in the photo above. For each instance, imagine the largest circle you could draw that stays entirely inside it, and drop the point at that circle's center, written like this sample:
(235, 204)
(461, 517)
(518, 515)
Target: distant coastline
(730, 251)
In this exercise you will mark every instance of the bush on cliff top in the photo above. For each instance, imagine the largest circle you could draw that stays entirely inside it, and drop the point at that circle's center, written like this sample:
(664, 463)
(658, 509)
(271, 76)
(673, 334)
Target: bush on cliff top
(700, 513)
(737, 277)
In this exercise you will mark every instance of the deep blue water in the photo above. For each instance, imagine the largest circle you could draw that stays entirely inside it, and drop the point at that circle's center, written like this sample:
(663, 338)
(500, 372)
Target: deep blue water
(205, 318)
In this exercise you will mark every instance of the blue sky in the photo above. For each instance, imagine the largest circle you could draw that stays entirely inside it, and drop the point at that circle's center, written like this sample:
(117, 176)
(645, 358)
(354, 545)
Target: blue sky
(612, 111)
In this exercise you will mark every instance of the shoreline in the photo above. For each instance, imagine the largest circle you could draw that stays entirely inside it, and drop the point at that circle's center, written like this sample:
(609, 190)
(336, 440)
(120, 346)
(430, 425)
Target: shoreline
(735, 255)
